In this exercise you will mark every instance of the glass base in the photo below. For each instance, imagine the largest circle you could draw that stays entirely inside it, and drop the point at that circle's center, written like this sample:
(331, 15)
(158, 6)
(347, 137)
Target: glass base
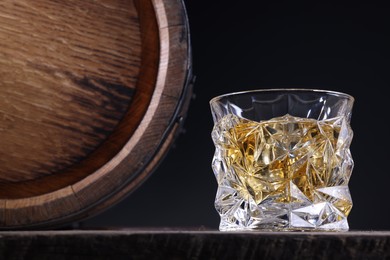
(269, 228)
(322, 216)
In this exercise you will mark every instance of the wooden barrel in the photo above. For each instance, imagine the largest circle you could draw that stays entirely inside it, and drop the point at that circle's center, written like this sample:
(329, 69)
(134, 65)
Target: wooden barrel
(92, 94)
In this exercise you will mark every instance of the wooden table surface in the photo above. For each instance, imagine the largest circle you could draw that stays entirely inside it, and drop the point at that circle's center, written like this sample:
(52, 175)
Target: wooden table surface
(192, 244)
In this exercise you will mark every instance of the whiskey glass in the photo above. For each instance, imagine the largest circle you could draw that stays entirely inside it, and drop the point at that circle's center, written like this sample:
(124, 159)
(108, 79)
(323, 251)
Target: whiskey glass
(282, 159)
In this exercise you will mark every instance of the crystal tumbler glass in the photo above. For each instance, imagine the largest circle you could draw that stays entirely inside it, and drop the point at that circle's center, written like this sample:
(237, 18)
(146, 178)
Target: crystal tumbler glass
(282, 159)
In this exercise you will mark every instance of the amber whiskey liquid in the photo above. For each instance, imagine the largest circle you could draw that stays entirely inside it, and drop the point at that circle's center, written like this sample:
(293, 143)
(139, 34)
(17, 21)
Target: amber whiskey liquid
(287, 172)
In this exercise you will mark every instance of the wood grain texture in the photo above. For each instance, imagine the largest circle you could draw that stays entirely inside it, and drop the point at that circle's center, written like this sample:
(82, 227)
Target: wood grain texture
(94, 106)
(184, 244)
(68, 72)
(172, 64)
(43, 208)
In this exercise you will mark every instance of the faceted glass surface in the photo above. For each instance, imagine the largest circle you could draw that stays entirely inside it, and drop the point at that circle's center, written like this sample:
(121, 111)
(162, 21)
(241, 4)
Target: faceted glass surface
(283, 173)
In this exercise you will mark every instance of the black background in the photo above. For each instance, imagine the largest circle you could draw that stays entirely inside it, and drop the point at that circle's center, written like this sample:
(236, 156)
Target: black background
(243, 45)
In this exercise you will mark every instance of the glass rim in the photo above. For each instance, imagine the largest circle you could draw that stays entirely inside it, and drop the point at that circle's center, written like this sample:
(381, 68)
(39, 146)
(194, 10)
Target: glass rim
(328, 92)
